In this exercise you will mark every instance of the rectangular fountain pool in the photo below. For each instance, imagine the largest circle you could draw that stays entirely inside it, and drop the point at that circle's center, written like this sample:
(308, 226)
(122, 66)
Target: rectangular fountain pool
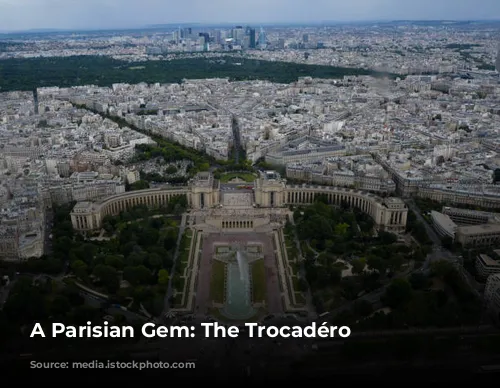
(238, 304)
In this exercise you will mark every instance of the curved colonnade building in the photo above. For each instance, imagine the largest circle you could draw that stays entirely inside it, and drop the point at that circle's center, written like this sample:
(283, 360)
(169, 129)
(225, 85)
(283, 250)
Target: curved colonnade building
(270, 191)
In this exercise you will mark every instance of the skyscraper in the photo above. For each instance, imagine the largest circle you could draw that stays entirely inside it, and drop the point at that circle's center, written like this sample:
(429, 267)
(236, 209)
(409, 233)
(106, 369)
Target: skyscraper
(262, 39)
(253, 40)
(186, 33)
(205, 36)
(218, 36)
(497, 64)
(238, 34)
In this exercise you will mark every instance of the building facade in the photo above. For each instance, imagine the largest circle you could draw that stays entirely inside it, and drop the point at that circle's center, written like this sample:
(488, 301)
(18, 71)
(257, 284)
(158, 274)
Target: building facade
(486, 266)
(492, 296)
(443, 224)
(478, 235)
(270, 191)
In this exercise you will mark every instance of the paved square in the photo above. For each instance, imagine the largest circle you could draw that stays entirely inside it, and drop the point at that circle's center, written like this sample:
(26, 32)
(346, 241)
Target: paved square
(237, 199)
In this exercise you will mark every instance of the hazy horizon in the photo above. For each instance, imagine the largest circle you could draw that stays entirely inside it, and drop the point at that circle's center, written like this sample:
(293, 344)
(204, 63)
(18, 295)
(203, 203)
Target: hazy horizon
(25, 15)
(196, 24)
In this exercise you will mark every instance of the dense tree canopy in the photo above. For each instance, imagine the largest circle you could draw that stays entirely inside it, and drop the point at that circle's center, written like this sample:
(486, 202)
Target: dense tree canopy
(27, 74)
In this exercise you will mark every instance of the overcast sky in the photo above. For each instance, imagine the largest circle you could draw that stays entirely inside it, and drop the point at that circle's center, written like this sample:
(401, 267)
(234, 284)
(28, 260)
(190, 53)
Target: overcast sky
(78, 14)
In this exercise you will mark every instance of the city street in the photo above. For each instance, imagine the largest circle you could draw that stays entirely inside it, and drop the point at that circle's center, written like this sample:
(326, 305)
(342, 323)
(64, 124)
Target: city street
(439, 252)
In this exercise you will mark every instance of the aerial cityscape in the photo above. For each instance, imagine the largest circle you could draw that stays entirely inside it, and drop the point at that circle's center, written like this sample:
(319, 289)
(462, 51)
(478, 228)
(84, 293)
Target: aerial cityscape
(279, 173)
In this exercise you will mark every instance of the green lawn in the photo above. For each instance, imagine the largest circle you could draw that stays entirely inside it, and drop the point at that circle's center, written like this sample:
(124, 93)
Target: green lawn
(178, 300)
(182, 266)
(184, 255)
(259, 281)
(247, 177)
(217, 281)
(291, 248)
(299, 298)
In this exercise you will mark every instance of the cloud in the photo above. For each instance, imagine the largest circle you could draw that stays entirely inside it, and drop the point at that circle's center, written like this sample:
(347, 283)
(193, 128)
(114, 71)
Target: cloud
(73, 14)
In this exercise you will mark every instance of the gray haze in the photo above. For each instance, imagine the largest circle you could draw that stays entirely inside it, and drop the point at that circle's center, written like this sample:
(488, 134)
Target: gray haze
(81, 14)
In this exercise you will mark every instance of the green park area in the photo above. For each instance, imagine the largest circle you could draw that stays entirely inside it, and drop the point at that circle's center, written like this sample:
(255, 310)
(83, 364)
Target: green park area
(131, 265)
(440, 298)
(28, 74)
(258, 281)
(246, 177)
(336, 239)
(131, 268)
(217, 282)
(345, 259)
(46, 300)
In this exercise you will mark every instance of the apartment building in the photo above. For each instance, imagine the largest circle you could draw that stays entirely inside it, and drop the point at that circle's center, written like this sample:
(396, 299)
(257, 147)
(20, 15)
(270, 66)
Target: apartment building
(492, 296)
(443, 224)
(486, 265)
(470, 217)
(478, 235)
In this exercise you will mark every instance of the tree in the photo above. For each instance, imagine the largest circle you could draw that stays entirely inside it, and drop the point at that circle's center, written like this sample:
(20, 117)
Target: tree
(395, 262)
(79, 268)
(26, 302)
(418, 255)
(72, 293)
(141, 293)
(136, 258)
(139, 185)
(108, 277)
(62, 245)
(171, 169)
(350, 288)
(418, 281)
(83, 314)
(303, 286)
(398, 293)
(60, 306)
(203, 166)
(442, 268)
(155, 261)
(169, 236)
(137, 275)
(178, 209)
(114, 261)
(363, 308)
(447, 242)
(376, 263)
(387, 238)
(358, 266)
(163, 277)
(341, 229)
